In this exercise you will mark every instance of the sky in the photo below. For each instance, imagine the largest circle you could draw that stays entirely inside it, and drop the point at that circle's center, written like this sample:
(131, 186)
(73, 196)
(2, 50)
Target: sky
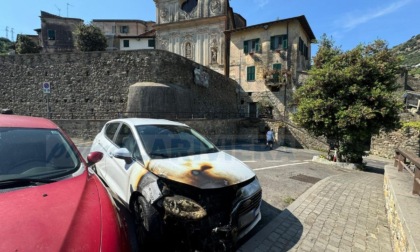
(348, 22)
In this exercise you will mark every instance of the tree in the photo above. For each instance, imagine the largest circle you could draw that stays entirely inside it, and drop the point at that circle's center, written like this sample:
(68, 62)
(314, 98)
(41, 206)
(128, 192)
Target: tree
(24, 45)
(89, 38)
(5, 45)
(349, 97)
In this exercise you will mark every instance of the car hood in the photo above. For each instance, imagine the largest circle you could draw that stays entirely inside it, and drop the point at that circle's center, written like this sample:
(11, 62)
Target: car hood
(205, 171)
(63, 215)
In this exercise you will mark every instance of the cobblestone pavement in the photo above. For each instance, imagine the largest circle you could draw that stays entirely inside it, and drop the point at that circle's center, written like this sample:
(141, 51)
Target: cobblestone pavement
(344, 212)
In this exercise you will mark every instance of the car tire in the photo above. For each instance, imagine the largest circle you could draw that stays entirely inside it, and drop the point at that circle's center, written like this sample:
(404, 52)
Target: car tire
(148, 223)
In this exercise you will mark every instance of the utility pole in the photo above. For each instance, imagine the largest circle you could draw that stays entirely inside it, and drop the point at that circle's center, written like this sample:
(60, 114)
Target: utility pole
(7, 31)
(11, 38)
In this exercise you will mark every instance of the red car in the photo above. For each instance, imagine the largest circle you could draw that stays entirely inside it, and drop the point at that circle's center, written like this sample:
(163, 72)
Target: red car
(49, 201)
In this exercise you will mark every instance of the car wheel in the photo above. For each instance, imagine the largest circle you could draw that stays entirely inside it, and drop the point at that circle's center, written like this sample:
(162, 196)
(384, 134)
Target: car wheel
(148, 223)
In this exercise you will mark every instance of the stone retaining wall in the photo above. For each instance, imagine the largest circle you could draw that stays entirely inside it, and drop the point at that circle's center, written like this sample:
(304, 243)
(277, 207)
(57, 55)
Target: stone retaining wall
(96, 84)
(401, 207)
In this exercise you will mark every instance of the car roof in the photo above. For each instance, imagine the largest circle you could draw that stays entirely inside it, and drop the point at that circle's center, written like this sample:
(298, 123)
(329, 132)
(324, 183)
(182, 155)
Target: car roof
(17, 121)
(148, 121)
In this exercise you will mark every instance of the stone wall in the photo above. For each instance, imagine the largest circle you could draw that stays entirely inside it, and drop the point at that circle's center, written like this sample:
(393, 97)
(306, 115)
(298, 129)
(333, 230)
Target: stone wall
(96, 84)
(402, 209)
(384, 144)
(296, 137)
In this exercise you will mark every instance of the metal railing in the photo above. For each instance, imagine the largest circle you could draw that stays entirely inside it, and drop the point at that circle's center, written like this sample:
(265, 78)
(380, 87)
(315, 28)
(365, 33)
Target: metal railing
(405, 160)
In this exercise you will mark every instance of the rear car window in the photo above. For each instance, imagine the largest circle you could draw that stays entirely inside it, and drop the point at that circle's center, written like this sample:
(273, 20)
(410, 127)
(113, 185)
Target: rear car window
(41, 153)
(111, 129)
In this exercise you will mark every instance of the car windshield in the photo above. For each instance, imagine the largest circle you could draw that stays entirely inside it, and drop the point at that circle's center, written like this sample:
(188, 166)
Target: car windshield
(35, 154)
(168, 141)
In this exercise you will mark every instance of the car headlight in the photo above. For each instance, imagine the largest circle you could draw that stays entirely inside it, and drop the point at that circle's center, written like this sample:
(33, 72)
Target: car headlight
(183, 207)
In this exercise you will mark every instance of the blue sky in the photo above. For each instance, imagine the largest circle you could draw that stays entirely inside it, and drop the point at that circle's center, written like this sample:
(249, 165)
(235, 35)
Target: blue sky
(349, 23)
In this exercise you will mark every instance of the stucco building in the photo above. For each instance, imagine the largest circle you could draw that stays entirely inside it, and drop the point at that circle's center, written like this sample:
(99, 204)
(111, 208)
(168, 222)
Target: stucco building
(124, 34)
(56, 33)
(269, 61)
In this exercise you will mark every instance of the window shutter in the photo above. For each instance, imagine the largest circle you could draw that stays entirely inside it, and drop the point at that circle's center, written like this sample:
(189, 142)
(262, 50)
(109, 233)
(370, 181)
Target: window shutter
(257, 45)
(285, 44)
(245, 47)
(273, 43)
(277, 66)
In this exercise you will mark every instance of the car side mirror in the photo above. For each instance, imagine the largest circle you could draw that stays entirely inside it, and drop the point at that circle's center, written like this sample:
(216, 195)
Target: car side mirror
(123, 153)
(94, 157)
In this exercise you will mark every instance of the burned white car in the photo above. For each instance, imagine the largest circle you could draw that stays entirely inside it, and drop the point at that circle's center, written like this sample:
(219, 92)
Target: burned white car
(177, 183)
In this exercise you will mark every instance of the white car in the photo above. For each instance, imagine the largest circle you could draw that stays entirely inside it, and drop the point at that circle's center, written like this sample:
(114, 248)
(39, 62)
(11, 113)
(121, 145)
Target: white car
(177, 183)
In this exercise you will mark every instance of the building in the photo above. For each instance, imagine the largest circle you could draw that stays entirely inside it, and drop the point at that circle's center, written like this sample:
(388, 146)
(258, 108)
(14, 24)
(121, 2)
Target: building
(195, 29)
(269, 61)
(56, 33)
(127, 34)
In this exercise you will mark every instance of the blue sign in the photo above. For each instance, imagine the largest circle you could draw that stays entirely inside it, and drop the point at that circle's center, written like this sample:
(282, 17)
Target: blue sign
(46, 87)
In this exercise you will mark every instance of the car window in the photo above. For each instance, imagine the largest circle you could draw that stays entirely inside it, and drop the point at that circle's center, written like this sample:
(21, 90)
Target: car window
(125, 139)
(165, 141)
(40, 153)
(111, 129)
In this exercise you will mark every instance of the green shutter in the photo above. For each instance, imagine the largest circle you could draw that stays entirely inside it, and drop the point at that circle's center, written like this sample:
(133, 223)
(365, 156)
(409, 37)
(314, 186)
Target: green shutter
(257, 45)
(246, 47)
(250, 74)
(284, 42)
(277, 66)
(272, 43)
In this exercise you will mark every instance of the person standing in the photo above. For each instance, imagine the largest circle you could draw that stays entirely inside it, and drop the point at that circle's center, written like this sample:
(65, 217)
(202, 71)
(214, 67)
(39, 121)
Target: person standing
(270, 139)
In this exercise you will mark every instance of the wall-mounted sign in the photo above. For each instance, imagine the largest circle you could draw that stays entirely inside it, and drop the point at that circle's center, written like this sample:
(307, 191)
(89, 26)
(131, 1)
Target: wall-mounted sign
(46, 87)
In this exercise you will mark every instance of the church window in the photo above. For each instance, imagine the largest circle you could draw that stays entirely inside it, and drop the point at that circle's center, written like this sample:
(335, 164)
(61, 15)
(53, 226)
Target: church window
(189, 5)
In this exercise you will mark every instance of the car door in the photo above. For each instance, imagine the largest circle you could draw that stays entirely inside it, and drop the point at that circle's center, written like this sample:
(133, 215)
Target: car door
(103, 143)
(118, 170)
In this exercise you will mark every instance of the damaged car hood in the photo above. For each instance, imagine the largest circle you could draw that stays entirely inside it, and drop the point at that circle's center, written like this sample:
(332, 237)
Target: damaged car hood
(204, 171)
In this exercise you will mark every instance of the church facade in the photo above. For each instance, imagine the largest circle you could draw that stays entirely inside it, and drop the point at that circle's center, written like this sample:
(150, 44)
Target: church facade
(195, 29)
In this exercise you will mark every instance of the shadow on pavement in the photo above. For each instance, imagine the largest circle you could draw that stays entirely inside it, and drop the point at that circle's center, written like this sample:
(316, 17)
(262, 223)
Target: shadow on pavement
(268, 213)
(284, 232)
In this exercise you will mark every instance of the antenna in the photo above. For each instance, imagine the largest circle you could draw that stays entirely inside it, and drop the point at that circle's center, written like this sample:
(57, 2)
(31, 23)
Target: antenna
(68, 8)
(59, 10)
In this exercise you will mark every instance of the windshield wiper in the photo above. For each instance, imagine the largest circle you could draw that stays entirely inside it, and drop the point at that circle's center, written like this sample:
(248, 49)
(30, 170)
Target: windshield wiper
(16, 182)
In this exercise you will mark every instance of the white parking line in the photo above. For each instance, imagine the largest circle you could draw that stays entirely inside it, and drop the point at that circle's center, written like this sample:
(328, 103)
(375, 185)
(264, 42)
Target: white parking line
(278, 166)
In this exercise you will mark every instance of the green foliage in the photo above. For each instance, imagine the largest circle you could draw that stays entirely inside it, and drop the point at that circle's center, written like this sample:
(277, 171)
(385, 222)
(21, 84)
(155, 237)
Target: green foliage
(89, 38)
(409, 51)
(413, 125)
(348, 96)
(25, 45)
(5, 45)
